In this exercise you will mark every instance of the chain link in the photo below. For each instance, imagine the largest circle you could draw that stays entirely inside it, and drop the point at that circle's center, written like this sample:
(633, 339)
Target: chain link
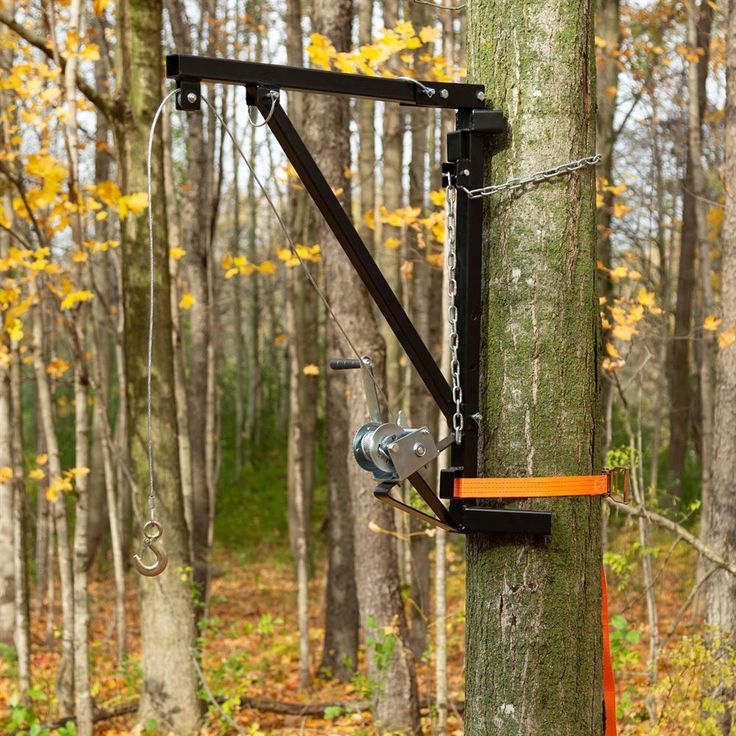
(535, 178)
(458, 421)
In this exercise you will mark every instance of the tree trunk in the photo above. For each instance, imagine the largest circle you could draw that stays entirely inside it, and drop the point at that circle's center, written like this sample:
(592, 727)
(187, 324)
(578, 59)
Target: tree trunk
(167, 625)
(340, 652)
(696, 107)
(718, 517)
(7, 508)
(679, 358)
(533, 626)
(82, 694)
(381, 607)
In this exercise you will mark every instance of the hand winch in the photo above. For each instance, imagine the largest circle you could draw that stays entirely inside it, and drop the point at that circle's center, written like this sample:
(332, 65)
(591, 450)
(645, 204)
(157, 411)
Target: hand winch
(391, 451)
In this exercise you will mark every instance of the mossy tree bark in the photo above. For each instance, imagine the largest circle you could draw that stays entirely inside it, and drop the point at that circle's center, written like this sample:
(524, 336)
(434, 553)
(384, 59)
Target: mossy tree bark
(533, 657)
(167, 622)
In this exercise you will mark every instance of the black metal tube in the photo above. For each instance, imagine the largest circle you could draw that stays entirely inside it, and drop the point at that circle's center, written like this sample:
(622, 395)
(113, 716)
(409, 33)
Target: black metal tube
(229, 71)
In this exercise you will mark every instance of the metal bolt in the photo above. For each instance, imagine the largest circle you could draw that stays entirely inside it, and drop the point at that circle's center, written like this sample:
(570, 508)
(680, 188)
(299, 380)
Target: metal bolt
(480, 95)
(394, 447)
(192, 97)
(420, 450)
(466, 172)
(444, 94)
(477, 417)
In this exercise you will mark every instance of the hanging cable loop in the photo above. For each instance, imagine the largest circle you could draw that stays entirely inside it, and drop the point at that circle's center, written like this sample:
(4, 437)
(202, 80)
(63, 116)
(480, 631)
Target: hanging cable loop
(274, 95)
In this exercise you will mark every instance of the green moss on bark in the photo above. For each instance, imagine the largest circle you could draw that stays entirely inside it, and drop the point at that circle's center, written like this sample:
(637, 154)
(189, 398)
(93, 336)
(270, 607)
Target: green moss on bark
(533, 606)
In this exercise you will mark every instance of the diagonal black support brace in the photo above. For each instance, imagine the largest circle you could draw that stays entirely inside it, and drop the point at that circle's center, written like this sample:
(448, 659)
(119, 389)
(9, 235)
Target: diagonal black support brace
(351, 242)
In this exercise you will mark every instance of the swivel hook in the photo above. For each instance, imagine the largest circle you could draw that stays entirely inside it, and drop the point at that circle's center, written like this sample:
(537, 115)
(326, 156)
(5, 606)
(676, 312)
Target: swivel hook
(152, 531)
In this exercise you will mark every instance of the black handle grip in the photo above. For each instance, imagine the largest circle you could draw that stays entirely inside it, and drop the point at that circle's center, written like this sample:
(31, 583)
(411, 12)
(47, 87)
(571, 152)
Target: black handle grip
(345, 364)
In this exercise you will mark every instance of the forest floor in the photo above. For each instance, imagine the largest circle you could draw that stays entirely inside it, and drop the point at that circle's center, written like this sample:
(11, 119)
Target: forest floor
(251, 650)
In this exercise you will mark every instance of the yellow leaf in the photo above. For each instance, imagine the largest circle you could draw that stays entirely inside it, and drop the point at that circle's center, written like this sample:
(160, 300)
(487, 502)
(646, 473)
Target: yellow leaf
(268, 267)
(619, 210)
(715, 221)
(36, 474)
(279, 339)
(311, 370)
(99, 6)
(620, 272)
(612, 365)
(711, 323)
(370, 219)
(646, 298)
(108, 191)
(429, 34)
(90, 52)
(187, 301)
(57, 367)
(14, 328)
(438, 197)
(42, 459)
(73, 297)
(176, 253)
(80, 256)
(624, 332)
(78, 472)
(727, 337)
(392, 243)
(6, 474)
(601, 43)
(612, 351)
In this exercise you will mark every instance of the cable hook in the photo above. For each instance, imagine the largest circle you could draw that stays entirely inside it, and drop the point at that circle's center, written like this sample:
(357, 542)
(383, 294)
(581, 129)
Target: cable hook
(152, 531)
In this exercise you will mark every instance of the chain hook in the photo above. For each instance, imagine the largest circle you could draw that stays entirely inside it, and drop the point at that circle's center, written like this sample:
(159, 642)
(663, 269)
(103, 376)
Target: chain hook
(152, 531)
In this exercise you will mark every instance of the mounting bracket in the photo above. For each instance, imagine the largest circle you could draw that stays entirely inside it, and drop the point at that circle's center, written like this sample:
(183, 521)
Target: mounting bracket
(465, 168)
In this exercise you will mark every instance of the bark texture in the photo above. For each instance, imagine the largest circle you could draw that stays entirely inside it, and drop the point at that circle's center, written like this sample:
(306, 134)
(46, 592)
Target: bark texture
(533, 641)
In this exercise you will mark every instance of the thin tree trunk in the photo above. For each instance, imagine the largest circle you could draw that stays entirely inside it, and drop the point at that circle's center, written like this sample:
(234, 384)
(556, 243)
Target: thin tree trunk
(533, 627)
(177, 335)
(695, 149)
(82, 694)
(718, 516)
(8, 553)
(679, 358)
(340, 651)
(108, 479)
(65, 676)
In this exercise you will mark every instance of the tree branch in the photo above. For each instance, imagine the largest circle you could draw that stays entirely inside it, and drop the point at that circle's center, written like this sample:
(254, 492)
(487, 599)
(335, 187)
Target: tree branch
(39, 42)
(678, 529)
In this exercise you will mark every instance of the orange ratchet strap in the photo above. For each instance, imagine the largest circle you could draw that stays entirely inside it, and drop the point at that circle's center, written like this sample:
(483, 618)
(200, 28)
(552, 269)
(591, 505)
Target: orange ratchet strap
(613, 482)
(609, 684)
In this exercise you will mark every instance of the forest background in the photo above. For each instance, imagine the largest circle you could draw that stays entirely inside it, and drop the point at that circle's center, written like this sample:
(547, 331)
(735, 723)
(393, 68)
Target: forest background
(291, 604)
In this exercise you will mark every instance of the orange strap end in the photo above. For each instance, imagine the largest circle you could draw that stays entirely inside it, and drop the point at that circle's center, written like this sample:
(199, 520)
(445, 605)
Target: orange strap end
(609, 685)
(533, 487)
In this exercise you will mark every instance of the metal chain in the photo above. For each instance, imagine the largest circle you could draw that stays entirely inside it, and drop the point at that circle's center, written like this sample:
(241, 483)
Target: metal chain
(458, 421)
(535, 178)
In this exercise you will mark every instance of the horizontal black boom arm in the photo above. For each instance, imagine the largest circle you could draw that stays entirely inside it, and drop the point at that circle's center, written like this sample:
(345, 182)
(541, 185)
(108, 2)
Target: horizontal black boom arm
(207, 69)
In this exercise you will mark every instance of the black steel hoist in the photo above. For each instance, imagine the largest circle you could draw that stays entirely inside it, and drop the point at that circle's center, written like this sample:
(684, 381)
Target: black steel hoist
(389, 450)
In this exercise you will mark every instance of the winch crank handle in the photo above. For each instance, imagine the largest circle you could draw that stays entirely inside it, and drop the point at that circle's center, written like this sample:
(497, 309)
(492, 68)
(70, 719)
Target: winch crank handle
(369, 386)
